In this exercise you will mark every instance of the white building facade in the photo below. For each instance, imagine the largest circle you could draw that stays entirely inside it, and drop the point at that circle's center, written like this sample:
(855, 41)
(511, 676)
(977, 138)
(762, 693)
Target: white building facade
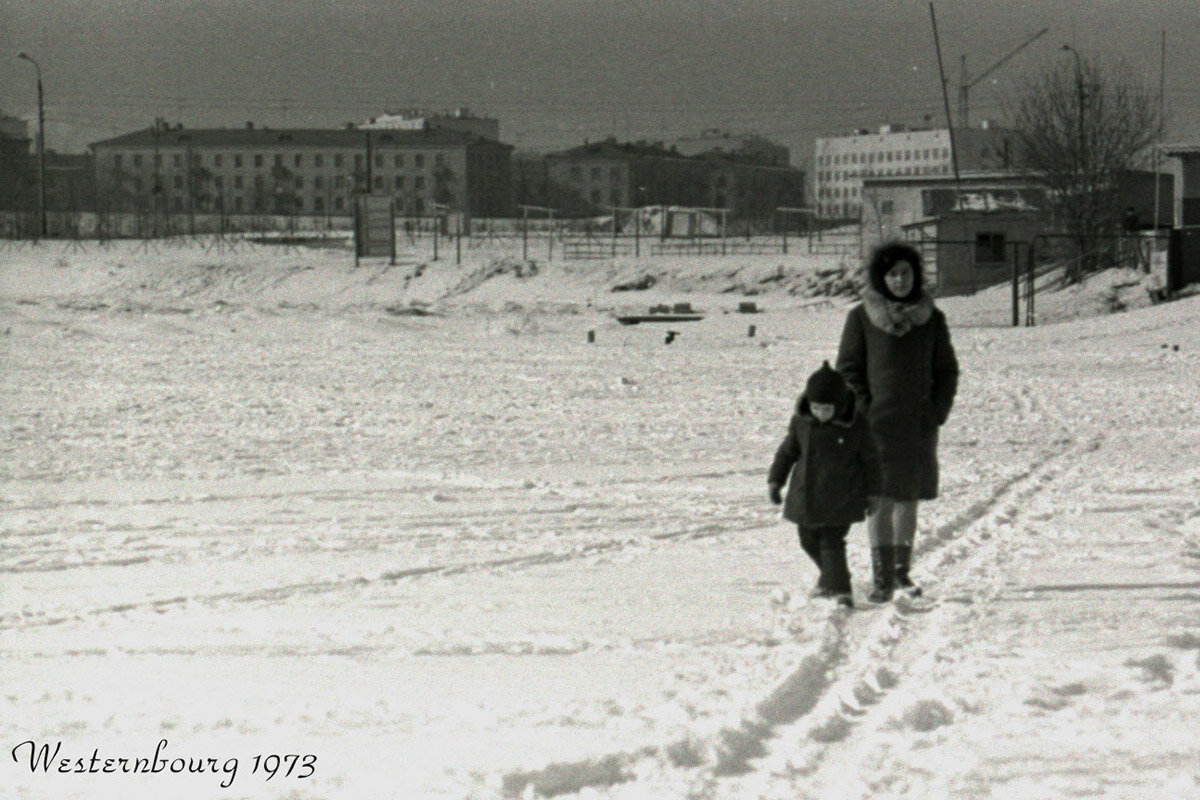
(843, 162)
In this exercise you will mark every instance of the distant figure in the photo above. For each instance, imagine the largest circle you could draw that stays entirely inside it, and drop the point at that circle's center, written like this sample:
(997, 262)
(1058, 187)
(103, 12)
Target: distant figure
(829, 463)
(896, 354)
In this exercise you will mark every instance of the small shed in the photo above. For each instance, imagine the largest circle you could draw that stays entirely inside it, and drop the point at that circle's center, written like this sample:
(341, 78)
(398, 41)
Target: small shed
(1184, 260)
(966, 251)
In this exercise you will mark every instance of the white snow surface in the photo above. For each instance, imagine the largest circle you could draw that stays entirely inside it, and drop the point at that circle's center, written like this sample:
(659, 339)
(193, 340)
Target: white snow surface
(408, 520)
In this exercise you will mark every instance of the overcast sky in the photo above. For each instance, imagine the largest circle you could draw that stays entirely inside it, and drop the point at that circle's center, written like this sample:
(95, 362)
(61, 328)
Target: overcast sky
(555, 72)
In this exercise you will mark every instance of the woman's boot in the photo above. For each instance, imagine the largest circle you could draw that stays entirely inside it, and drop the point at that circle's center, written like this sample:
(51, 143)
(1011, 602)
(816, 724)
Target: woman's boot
(903, 581)
(883, 565)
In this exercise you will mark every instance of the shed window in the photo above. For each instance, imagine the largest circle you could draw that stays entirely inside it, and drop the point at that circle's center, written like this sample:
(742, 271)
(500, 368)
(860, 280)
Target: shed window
(989, 248)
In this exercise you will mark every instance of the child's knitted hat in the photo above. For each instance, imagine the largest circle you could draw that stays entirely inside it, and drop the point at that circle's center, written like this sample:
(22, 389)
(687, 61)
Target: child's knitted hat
(826, 385)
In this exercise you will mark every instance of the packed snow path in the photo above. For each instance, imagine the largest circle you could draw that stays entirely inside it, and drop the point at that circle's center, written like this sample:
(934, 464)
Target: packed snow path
(476, 557)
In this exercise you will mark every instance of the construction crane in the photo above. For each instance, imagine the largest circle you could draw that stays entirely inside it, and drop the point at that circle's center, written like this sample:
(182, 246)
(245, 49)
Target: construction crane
(964, 88)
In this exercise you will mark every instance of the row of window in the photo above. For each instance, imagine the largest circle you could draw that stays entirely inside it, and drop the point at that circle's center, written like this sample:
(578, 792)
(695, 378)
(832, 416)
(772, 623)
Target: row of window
(318, 183)
(300, 205)
(596, 174)
(929, 153)
(838, 210)
(297, 161)
(825, 176)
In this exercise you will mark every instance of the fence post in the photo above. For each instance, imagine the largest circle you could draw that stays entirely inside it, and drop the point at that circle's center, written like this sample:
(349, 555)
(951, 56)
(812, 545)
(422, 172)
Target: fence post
(1016, 290)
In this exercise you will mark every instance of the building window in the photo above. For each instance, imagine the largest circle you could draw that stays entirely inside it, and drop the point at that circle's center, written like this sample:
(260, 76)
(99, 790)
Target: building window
(219, 182)
(439, 160)
(319, 182)
(338, 160)
(399, 182)
(298, 161)
(237, 160)
(358, 162)
(177, 160)
(887, 207)
(258, 159)
(576, 173)
(378, 181)
(279, 159)
(338, 203)
(178, 181)
(217, 159)
(237, 204)
(398, 162)
(299, 181)
(318, 204)
(419, 160)
(419, 182)
(379, 160)
(989, 248)
(318, 160)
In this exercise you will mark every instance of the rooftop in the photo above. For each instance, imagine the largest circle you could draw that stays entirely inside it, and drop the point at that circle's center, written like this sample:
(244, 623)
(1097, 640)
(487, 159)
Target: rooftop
(251, 136)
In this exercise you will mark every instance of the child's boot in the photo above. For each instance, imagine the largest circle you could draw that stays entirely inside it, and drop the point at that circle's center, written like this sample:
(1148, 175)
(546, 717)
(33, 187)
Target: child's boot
(883, 565)
(834, 572)
(903, 562)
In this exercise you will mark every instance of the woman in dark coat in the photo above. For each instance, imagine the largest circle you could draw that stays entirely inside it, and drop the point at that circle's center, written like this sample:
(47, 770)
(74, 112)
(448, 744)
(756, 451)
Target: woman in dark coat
(896, 354)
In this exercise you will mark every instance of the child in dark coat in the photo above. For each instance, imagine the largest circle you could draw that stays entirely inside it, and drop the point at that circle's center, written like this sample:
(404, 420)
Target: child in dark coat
(831, 467)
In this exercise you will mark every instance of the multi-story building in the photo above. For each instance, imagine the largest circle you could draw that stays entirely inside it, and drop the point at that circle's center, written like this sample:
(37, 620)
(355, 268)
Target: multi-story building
(843, 162)
(18, 175)
(611, 174)
(256, 170)
(748, 148)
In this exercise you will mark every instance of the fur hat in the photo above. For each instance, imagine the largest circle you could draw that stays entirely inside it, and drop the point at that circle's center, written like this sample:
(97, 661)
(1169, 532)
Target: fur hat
(826, 385)
(887, 256)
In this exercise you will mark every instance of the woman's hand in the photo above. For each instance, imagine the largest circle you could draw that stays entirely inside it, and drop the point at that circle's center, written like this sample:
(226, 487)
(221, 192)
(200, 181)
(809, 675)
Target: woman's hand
(774, 492)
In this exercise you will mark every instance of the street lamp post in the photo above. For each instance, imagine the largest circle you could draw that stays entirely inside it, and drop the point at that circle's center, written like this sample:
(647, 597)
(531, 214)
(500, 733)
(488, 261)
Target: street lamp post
(1082, 154)
(41, 145)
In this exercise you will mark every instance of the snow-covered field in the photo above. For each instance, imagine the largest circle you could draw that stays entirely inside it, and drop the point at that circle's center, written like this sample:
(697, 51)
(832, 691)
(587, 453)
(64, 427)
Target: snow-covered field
(407, 525)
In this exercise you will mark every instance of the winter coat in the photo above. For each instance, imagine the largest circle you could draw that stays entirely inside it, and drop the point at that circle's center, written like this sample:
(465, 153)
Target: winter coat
(899, 360)
(830, 468)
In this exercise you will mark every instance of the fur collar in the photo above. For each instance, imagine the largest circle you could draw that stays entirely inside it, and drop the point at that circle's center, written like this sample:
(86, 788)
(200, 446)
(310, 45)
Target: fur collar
(894, 318)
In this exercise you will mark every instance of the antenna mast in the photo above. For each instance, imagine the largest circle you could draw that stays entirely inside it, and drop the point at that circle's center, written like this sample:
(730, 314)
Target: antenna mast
(964, 88)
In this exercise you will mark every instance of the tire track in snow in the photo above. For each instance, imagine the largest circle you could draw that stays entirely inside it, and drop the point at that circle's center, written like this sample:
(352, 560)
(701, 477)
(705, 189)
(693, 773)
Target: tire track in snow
(834, 682)
(285, 592)
(827, 749)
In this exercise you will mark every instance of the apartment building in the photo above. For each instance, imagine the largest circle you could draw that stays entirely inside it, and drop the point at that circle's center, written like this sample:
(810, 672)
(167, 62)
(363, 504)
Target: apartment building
(18, 168)
(843, 162)
(623, 174)
(255, 170)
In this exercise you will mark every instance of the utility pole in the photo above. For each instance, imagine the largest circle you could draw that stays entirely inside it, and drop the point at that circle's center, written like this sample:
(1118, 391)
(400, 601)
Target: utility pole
(964, 88)
(41, 146)
(1081, 156)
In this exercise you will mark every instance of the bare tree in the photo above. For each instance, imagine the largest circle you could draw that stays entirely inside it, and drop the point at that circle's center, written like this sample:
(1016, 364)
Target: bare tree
(1083, 127)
